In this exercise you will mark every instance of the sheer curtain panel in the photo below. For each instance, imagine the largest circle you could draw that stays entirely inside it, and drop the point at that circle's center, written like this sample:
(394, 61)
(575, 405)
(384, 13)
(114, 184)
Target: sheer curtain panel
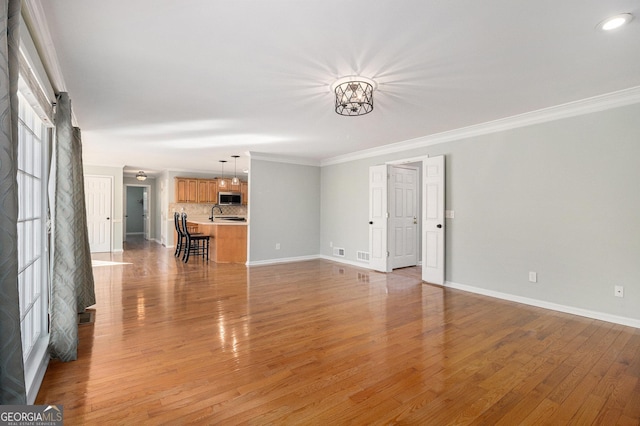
(72, 285)
(12, 383)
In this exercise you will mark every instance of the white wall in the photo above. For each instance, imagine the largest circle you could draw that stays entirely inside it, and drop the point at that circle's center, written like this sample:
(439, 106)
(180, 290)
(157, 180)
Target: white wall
(560, 198)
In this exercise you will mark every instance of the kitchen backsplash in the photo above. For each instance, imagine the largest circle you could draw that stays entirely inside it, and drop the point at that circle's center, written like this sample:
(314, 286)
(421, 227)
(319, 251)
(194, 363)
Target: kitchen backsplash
(205, 209)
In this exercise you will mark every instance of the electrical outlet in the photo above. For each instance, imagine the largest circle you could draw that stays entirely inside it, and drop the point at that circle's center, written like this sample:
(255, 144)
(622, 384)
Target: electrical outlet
(277, 246)
(330, 244)
(618, 291)
(533, 277)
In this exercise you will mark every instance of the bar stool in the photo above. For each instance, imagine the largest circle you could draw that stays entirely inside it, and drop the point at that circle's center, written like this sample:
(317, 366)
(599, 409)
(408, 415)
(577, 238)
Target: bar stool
(194, 243)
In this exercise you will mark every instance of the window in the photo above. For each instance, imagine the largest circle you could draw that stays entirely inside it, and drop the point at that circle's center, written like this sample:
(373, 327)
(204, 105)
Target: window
(32, 239)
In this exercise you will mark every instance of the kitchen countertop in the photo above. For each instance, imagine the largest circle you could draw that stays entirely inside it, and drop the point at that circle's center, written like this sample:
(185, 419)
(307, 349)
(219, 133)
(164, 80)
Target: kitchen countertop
(204, 220)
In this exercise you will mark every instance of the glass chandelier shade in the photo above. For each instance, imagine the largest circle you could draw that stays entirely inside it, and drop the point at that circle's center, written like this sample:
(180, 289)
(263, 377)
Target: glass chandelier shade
(222, 183)
(235, 181)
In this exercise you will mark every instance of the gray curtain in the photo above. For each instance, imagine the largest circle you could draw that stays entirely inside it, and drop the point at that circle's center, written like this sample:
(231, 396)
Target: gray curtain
(72, 286)
(12, 385)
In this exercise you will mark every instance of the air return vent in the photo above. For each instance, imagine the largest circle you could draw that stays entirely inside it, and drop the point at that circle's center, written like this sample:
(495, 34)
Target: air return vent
(363, 256)
(338, 251)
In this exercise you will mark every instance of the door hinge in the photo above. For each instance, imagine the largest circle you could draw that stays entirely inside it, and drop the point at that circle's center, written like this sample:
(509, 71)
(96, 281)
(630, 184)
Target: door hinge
(387, 215)
(387, 254)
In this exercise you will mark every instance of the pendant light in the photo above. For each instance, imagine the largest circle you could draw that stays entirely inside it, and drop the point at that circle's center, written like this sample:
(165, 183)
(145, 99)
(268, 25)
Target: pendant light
(141, 175)
(223, 183)
(235, 181)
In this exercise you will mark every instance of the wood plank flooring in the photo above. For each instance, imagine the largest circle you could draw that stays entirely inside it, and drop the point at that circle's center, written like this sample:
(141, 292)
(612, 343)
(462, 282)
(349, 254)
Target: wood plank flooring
(318, 342)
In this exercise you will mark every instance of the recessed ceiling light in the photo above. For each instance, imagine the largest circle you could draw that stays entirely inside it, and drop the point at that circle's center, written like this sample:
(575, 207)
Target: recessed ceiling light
(615, 22)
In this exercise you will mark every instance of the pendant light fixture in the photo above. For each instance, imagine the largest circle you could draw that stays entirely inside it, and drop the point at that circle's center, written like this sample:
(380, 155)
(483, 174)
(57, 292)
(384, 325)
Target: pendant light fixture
(235, 181)
(222, 183)
(141, 175)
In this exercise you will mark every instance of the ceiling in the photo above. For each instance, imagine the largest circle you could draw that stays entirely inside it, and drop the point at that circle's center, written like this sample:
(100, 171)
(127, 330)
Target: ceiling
(180, 85)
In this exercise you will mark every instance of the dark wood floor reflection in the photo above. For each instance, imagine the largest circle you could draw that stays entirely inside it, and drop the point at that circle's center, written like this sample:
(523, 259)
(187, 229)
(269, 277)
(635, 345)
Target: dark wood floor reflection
(318, 342)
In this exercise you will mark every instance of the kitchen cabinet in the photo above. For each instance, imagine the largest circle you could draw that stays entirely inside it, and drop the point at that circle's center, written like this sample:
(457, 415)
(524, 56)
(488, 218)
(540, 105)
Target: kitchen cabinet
(244, 189)
(207, 191)
(228, 241)
(186, 190)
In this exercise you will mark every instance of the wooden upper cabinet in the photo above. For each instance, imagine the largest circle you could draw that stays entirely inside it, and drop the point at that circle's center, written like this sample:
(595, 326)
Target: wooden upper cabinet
(186, 190)
(244, 189)
(192, 190)
(207, 191)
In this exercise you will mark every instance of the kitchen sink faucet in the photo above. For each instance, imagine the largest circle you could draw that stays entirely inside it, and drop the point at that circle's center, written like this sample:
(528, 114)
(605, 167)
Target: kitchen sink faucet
(213, 208)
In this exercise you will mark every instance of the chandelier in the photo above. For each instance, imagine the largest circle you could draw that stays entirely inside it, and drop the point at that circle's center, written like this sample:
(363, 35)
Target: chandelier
(354, 95)
(141, 175)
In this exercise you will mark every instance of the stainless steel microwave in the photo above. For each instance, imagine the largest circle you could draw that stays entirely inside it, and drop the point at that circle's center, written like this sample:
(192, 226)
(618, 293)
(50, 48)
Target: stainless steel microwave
(229, 198)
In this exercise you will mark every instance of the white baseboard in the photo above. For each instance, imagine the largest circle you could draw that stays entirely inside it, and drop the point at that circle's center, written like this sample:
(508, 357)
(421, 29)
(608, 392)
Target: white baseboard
(345, 261)
(602, 316)
(281, 260)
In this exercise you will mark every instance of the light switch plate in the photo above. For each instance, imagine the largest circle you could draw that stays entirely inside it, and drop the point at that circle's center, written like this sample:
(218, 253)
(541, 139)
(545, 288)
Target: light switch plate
(449, 214)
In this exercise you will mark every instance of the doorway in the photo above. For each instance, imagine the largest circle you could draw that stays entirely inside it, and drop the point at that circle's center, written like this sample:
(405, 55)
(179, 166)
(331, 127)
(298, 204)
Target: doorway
(430, 234)
(403, 226)
(137, 220)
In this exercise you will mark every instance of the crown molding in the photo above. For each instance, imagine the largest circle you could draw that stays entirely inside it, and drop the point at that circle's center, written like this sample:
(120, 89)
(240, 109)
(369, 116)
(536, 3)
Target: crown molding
(571, 109)
(283, 159)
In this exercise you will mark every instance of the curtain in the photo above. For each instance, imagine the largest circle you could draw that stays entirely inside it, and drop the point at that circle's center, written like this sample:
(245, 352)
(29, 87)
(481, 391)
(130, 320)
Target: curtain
(12, 384)
(72, 285)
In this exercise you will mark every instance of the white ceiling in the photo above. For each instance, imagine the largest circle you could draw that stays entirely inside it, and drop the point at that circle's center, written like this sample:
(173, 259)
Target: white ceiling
(179, 85)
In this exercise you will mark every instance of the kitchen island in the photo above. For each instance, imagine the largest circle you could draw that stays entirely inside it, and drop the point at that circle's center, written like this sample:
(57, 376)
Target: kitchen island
(228, 238)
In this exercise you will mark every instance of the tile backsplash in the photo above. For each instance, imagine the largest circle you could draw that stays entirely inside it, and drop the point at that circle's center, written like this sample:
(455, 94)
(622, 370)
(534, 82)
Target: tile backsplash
(194, 209)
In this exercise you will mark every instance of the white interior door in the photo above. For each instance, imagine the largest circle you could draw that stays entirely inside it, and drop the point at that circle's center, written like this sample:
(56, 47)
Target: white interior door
(433, 222)
(378, 183)
(403, 217)
(97, 190)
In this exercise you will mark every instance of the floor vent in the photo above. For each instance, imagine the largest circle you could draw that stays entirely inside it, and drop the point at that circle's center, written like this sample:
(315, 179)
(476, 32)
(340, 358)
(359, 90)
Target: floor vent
(363, 256)
(338, 251)
(87, 317)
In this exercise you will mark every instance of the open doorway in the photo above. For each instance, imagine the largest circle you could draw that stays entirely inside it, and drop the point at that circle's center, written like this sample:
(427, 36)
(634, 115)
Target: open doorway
(385, 231)
(136, 211)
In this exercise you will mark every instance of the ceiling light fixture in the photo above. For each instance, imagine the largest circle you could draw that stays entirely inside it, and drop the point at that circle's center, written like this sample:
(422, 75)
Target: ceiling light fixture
(235, 181)
(615, 22)
(141, 175)
(222, 183)
(354, 95)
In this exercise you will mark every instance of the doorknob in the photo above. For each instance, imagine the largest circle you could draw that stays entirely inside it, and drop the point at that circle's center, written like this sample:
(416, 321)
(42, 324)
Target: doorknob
(415, 220)
(108, 218)
(439, 226)
(370, 222)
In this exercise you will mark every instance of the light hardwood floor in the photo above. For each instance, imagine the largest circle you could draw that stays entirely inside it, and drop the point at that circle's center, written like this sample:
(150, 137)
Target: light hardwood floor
(318, 342)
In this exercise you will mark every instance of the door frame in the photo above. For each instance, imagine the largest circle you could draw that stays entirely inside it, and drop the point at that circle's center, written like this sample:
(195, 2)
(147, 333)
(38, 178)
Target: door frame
(421, 194)
(147, 189)
(423, 202)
